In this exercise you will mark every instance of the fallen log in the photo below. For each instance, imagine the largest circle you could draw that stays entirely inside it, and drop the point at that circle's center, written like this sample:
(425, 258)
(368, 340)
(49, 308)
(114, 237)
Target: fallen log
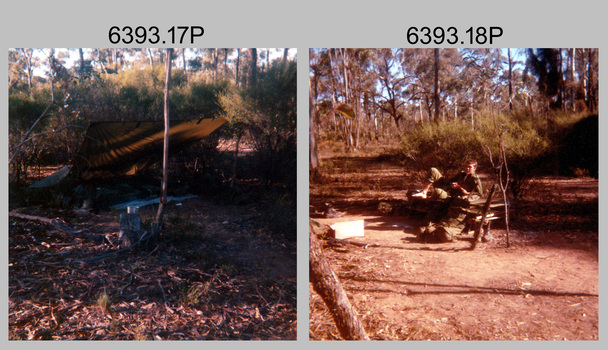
(326, 284)
(52, 222)
(55, 223)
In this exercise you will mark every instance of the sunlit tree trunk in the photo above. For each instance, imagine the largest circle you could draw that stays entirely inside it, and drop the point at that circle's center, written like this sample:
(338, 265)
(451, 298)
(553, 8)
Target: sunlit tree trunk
(237, 74)
(27, 55)
(510, 80)
(436, 87)
(225, 59)
(572, 80)
(313, 150)
(115, 58)
(215, 62)
(150, 56)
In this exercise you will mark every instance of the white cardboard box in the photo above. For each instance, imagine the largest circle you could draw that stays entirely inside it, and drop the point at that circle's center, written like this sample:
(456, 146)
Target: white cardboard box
(348, 229)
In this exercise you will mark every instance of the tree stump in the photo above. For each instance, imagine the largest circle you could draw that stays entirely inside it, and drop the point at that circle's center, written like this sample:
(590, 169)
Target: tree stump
(130, 227)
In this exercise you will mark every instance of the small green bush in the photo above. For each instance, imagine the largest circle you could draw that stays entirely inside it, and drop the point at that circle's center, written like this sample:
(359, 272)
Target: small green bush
(104, 301)
(192, 294)
(444, 145)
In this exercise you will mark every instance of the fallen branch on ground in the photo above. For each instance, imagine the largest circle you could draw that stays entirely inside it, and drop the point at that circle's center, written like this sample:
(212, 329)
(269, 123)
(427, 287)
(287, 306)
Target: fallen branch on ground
(53, 222)
(357, 244)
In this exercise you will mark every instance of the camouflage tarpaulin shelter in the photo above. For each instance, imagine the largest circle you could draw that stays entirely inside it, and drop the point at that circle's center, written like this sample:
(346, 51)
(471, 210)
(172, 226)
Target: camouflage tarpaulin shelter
(124, 148)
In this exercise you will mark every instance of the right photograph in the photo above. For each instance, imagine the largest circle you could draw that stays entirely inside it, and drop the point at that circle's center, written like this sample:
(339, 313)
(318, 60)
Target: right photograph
(453, 194)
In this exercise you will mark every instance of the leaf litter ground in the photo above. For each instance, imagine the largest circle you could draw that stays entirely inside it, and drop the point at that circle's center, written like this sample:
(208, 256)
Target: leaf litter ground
(214, 273)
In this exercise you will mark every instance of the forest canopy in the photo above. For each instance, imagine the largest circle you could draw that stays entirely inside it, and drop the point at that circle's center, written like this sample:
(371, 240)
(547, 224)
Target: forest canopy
(439, 105)
(254, 89)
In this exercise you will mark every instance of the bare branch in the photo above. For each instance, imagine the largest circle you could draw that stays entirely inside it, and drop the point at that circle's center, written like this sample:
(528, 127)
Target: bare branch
(27, 134)
(15, 149)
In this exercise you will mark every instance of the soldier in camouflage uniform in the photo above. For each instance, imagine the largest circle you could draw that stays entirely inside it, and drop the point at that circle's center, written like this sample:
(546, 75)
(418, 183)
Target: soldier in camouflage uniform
(445, 220)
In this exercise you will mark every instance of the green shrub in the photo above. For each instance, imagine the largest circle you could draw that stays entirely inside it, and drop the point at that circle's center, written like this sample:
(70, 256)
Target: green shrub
(444, 145)
(191, 294)
(104, 302)
(447, 144)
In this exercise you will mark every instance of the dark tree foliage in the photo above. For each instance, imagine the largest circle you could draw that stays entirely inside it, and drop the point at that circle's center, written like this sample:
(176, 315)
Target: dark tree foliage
(273, 128)
(546, 66)
(579, 151)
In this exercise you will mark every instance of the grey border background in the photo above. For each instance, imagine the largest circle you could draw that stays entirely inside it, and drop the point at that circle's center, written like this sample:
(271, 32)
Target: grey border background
(301, 25)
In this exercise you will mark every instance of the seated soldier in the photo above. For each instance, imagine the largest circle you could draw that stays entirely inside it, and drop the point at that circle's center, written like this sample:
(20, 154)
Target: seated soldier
(442, 223)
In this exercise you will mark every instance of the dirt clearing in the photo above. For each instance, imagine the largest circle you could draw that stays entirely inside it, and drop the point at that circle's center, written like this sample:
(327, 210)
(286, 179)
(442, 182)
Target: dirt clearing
(543, 287)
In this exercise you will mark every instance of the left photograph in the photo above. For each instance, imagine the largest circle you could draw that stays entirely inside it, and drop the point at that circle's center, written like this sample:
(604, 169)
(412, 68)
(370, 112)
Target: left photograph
(152, 194)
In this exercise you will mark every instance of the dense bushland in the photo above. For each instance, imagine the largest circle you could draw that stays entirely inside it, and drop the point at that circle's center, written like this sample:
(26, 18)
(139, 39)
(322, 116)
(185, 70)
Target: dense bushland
(258, 99)
(533, 146)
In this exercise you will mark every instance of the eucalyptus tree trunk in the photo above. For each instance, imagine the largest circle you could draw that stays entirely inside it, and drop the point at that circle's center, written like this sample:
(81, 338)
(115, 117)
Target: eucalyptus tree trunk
(284, 60)
(235, 158)
(436, 87)
(237, 76)
(81, 68)
(28, 55)
(216, 55)
(510, 80)
(150, 56)
(163, 192)
(572, 79)
(253, 67)
(312, 138)
(226, 53)
(115, 58)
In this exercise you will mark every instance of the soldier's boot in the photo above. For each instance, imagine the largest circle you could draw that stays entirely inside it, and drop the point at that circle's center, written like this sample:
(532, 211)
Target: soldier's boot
(425, 233)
